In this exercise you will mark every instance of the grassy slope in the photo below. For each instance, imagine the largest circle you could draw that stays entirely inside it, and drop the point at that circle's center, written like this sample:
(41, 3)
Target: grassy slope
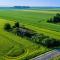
(10, 42)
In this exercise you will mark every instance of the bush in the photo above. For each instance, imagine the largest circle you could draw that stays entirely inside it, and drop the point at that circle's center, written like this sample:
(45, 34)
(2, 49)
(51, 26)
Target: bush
(55, 19)
(38, 38)
(7, 27)
(17, 24)
(50, 42)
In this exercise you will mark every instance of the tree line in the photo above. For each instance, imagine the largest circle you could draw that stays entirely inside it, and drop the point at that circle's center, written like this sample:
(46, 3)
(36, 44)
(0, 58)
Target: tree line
(55, 19)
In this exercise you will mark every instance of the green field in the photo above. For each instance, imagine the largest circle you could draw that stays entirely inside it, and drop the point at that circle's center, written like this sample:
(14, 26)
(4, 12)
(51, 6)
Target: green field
(13, 47)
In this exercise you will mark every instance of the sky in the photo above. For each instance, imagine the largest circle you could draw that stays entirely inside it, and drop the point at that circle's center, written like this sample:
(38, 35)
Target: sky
(52, 3)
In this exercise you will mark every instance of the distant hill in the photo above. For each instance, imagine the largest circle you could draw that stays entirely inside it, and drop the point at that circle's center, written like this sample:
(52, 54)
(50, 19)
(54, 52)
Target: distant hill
(21, 7)
(31, 8)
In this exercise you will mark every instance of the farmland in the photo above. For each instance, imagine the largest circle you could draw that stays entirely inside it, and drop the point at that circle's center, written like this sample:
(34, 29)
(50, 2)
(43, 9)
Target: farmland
(13, 47)
(14, 44)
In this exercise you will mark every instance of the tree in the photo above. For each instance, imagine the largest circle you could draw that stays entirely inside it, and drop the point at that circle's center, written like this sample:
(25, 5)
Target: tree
(46, 42)
(50, 42)
(35, 39)
(55, 19)
(17, 24)
(7, 27)
(57, 14)
(38, 38)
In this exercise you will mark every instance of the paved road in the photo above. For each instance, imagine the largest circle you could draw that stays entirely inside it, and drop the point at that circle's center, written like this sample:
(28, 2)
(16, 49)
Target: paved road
(48, 55)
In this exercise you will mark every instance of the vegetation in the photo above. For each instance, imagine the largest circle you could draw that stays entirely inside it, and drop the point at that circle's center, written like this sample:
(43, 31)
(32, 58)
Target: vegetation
(55, 19)
(7, 27)
(50, 42)
(33, 36)
(21, 47)
(56, 58)
(24, 48)
(17, 24)
(16, 51)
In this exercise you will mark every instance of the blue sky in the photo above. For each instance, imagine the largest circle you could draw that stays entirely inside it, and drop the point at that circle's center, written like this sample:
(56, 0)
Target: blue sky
(30, 3)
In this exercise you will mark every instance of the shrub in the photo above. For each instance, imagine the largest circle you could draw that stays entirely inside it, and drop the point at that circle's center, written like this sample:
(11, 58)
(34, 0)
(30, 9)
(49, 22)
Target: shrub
(50, 42)
(35, 39)
(38, 38)
(17, 24)
(55, 19)
(7, 27)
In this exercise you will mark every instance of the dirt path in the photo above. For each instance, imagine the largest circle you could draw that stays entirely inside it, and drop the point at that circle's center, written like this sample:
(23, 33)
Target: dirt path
(48, 55)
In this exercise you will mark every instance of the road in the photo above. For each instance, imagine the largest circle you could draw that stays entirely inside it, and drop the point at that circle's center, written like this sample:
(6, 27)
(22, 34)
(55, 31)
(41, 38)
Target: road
(48, 55)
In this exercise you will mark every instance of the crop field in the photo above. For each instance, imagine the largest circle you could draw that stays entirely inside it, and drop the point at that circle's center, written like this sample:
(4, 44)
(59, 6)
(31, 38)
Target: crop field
(13, 47)
(33, 19)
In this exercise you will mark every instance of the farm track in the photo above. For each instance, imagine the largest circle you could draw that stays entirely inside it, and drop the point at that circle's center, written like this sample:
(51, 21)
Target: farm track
(49, 55)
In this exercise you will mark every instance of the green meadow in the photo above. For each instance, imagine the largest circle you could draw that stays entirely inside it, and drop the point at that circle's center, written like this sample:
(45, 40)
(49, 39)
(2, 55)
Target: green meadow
(13, 47)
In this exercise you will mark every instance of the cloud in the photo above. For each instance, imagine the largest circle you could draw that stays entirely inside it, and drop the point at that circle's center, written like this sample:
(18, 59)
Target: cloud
(7, 3)
(29, 2)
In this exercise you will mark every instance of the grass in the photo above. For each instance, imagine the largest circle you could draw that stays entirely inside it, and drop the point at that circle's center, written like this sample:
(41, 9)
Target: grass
(13, 47)
(35, 20)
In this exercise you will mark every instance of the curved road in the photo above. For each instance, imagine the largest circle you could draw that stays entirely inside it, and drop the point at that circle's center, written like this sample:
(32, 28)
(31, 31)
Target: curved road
(48, 55)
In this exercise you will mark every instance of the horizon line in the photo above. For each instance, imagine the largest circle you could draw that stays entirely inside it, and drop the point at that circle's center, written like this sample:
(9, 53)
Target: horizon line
(32, 6)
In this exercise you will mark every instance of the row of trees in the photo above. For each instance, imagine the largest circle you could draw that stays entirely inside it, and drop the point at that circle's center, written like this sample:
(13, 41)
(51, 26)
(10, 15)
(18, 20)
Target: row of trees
(35, 37)
(45, 40)
(55, 19)
(19, 30)
(8, 27)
